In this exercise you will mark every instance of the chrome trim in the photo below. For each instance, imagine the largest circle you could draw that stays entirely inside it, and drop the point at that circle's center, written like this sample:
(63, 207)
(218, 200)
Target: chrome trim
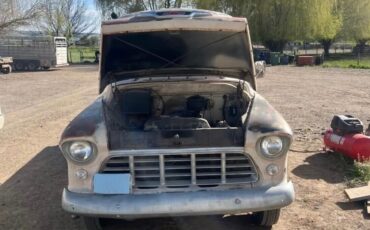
(161, 170)
(193, 170)
(132, 169)
(223, 168)
(144, 152)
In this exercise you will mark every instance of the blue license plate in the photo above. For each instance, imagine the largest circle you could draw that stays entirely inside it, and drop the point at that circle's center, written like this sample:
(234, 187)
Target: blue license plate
(112, 183)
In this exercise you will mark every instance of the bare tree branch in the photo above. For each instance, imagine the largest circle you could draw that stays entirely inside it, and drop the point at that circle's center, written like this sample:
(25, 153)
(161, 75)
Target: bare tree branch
(16, 13)
(66, 18)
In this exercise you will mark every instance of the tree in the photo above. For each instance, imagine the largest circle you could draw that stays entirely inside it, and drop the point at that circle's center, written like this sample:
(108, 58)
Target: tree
(127, 6)
(356, 21)
(17, 13)
(274, 22)
(66, 18)
(326, 22)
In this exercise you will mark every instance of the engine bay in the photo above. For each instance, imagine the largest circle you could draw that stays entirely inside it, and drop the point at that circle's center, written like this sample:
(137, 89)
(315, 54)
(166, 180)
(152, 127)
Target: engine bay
(176, 113)
(144, 109)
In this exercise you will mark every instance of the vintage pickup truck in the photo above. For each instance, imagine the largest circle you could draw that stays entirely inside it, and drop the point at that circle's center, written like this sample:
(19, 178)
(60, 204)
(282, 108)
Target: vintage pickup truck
(178, 128)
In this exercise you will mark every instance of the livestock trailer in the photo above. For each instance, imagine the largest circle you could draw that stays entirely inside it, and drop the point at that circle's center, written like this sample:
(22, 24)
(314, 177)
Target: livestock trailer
(32, 53)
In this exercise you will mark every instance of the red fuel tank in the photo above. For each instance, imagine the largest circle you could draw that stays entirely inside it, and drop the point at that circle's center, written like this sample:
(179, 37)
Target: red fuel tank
(356, 146)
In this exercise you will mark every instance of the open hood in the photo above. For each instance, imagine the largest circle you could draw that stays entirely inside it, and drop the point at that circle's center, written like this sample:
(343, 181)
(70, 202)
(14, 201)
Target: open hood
(169, 44)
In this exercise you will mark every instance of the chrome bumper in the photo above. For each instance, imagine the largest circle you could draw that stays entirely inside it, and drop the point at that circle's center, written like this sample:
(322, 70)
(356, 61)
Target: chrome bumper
(179, 204)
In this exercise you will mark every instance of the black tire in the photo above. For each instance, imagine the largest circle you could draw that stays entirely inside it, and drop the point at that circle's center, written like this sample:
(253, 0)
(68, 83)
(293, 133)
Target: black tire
(6, 70)
(32, 66)
(266, 218)
(92, 223)
(46, 67)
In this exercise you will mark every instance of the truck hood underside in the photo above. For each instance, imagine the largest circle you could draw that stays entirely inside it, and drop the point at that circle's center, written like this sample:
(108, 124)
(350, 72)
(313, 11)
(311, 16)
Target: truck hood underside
(170, 51)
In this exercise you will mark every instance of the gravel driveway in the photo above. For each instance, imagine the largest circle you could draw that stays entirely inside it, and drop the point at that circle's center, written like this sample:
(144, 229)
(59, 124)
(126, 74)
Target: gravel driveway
(38, 105)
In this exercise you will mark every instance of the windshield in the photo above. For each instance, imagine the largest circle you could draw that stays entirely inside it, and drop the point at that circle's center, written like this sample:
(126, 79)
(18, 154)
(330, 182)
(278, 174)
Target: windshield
(174, 49)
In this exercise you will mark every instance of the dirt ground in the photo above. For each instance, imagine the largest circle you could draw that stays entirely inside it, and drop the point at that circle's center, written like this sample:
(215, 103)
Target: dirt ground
(39, 105)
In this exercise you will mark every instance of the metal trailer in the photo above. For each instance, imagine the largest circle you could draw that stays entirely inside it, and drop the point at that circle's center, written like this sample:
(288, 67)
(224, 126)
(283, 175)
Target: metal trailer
(6, 65)
(33, 53)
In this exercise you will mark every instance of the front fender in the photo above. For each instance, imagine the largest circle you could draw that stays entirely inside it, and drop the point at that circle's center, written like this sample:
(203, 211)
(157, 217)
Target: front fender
(90, 126)
(264, 120)
(86, 123)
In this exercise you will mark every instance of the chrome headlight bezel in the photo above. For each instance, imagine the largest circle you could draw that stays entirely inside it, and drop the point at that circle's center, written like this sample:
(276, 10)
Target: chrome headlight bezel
(66, 148)
(285, 143)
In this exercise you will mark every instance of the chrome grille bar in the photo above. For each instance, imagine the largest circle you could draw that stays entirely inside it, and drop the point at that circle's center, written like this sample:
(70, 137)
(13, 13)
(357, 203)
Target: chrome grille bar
(223, 168)
(161, 168)
(193, 170)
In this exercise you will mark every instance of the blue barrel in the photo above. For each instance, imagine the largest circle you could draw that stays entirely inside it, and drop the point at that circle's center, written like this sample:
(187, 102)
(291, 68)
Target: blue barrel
(284, 60)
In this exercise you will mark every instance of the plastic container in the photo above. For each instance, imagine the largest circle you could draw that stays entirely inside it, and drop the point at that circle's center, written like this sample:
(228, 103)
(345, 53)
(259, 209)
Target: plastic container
(284, 60)
(267, 57)
(275, 58)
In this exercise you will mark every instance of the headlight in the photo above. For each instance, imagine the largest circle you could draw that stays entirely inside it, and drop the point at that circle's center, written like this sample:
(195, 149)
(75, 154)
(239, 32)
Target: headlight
(272, 146)
(80, 151)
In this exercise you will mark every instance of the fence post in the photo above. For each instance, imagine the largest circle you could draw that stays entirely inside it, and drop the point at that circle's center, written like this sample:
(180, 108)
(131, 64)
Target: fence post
(358, 56)
(70, 56)
(81, 55)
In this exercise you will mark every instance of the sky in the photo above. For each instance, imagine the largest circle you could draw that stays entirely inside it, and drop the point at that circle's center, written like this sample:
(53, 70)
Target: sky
(94, 14)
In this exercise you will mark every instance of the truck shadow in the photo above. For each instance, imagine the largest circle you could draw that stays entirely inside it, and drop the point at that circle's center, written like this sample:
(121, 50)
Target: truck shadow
(322, 165)
(31, 198)
(185, 223)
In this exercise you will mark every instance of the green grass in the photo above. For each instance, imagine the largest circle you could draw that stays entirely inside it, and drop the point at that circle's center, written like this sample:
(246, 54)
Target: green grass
(359, 173)
(356, 173)
(81, 54)
(347, 61)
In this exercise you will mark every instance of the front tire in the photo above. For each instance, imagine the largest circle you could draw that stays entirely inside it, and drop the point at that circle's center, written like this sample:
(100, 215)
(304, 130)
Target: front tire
(266, 218)
(92, 223)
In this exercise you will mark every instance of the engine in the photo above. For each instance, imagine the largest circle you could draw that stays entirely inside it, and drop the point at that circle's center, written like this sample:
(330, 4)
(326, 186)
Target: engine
(145, 109)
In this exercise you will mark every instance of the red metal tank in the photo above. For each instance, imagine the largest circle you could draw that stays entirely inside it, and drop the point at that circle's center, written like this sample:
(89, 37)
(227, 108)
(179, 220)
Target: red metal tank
(356, 146)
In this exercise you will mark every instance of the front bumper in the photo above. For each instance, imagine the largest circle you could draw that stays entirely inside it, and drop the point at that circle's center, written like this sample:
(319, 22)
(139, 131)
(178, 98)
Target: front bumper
(179, 204)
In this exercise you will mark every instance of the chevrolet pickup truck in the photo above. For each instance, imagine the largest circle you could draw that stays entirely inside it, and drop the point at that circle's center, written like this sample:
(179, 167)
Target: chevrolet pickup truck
(178, 128)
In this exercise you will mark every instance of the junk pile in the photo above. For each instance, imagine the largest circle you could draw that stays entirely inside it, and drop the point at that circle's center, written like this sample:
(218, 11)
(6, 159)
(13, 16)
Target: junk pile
(347, 136)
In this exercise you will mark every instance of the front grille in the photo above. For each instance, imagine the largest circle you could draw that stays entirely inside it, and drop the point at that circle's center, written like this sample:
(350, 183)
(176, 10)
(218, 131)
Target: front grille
(184, 170)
